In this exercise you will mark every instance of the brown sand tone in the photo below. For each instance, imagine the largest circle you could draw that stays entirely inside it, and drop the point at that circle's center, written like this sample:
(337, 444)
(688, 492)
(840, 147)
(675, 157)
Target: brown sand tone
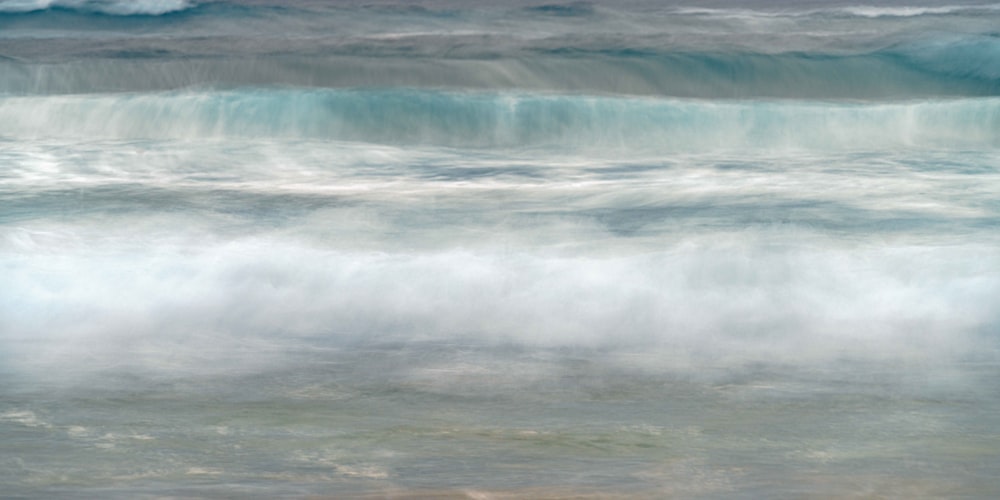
(816, 486)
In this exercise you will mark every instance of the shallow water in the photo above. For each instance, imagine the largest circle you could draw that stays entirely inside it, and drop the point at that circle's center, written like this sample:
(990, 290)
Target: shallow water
(440, 417)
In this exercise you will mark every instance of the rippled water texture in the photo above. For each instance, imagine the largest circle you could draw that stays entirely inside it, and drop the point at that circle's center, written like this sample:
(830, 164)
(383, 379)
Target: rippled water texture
(445, 249)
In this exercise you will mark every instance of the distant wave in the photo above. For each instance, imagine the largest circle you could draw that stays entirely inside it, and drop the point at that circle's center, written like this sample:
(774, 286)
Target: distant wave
(563, 9)
(954, 66)
(464, 119)
(957, 56)
(112, 7)
(905, 11)
(869, 11)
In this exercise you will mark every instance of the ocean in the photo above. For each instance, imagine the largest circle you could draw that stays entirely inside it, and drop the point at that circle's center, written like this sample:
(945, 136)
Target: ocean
(496, 250)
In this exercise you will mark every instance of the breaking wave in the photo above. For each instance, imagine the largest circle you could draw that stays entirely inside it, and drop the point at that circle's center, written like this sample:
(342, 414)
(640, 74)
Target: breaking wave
(481, 120)
(111, 7)
(720, 301)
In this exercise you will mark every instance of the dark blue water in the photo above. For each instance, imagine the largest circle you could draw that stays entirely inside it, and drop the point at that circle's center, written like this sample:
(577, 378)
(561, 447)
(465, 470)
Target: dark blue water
(520, 250)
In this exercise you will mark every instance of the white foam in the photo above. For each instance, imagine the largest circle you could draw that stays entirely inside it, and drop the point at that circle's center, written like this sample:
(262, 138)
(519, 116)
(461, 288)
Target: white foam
(733, 300)
(903, 11)
(113, 7)
(24, 417)
(24, 5)
(870, 11)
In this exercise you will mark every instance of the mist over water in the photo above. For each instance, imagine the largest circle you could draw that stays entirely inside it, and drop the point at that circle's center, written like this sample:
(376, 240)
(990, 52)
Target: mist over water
(527, 250)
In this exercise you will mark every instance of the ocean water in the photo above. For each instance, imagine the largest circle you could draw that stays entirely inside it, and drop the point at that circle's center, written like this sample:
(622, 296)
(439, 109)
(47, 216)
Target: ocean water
(519, 249)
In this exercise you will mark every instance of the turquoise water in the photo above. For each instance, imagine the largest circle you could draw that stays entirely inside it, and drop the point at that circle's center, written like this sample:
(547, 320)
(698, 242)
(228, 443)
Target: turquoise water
(444, 249)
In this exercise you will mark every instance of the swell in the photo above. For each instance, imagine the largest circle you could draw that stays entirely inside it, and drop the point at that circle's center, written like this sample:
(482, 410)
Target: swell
(437, 9)
(961, 67)
(513, 120)
(859, 10)
(101, 7)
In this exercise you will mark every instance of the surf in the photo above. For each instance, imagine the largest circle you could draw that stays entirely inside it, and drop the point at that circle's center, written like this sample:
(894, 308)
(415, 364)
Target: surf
(107, 7)
(506, 120)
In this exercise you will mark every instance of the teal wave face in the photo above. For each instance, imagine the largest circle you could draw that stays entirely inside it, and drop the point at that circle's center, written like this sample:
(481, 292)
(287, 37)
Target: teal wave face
(964, 67)
(832, 53)
(962, 58)
(486, 120)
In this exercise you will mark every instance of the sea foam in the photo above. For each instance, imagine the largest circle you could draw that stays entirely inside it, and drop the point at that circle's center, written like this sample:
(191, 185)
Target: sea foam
(112, 7)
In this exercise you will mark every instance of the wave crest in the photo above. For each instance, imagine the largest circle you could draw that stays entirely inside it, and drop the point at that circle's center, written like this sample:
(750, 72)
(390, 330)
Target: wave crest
(488, 120)
(111, 7)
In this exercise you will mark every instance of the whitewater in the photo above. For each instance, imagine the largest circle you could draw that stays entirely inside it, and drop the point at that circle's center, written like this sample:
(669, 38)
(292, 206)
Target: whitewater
(464, 249)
